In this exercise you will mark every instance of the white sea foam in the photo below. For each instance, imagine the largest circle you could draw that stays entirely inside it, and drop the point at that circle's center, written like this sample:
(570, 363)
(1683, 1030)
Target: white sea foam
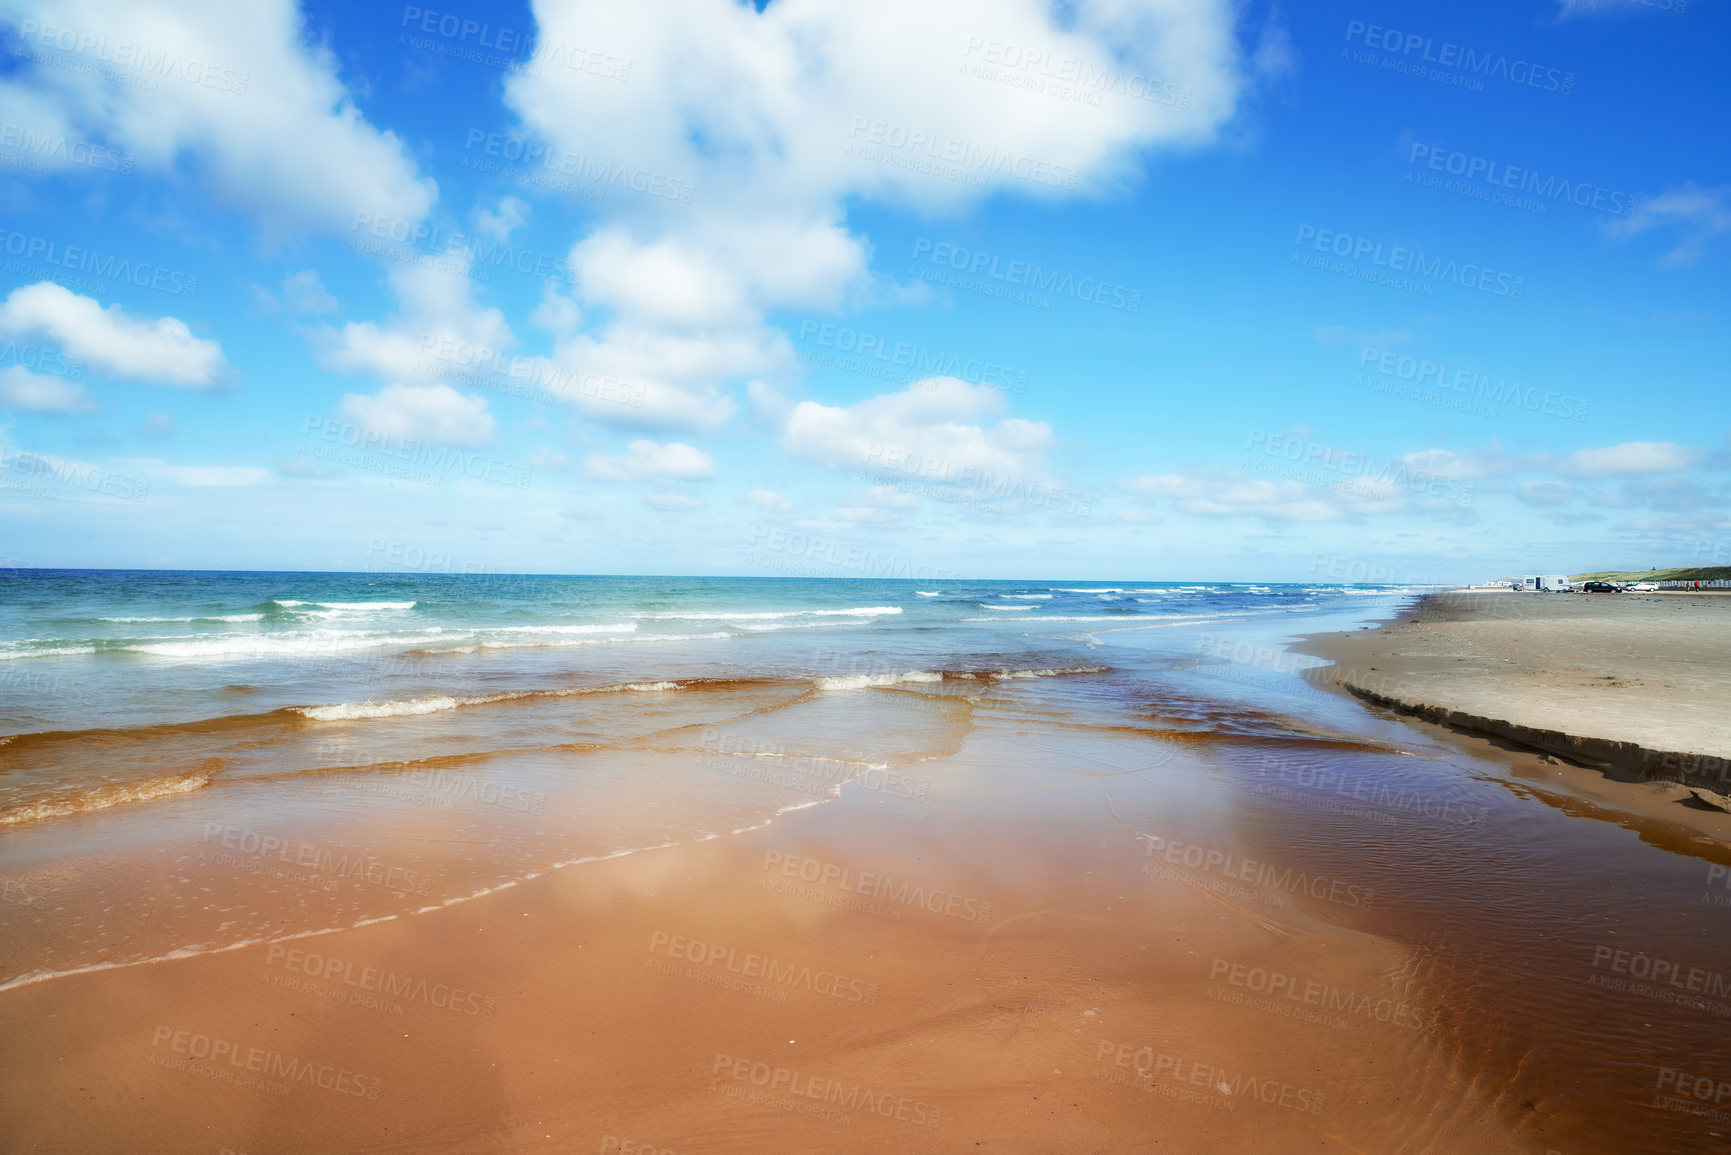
(720, 616)
(620, 628)
(1054, 672)
(1073, 618)
(930, 593)
(866, 681)
(349, 711)
(1028, 597)
(287, 604)
(1008, 609)
(103, 797)
(762, 627)
(10, 653)
(437, 703)
(202, 618)
(314, 643)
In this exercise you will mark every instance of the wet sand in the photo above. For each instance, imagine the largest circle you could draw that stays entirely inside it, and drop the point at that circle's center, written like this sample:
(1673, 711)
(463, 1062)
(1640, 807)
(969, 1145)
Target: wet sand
(1210, 930)
(966, 973)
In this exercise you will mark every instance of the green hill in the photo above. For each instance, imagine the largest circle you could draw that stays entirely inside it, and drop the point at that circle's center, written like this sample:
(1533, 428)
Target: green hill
(1703, 573)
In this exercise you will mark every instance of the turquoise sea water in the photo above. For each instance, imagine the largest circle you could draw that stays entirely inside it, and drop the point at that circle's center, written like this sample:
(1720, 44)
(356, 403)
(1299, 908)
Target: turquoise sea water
(84, 649)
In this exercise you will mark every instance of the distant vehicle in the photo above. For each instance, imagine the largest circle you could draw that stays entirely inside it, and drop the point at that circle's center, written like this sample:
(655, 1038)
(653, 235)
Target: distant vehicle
(1601, 588)
(1643, 587)
(1547, 583)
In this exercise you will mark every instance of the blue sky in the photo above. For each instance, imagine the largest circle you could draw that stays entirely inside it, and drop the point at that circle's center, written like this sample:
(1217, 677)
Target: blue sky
(1157, 291)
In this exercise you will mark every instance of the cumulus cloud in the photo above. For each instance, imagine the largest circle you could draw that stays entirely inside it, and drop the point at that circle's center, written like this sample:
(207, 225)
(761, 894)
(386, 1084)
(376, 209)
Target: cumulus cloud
(878, 505)
(769, 501)
(743, 135)
(161, 351)
(1470, 464)
(1228, 493)
(645, 459)
(422, 413)
(28, 392)
(438, 327)
(940, 430)
(793, 103)
(498, 224)
(1545, 492)
(200, 476)
(238, 92)
(1631, 459)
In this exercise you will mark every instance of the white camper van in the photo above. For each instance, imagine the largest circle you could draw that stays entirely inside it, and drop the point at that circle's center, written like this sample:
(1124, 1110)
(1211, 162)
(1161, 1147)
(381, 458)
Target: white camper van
(1548, 583)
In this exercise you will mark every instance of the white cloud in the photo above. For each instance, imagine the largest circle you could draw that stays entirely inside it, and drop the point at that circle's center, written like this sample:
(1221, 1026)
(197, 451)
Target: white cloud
(157, 426)
(202, 476)
(423, 413)
(769, 501)
(437, 327)
(244, 96)
(1698, 214)
(664, 281)
(750, 133)
(645, 459)
(672, 502)
(1696, 527)
(303, 292)
(868, 514)
(650, 378)
(1487, 461)
(28, 392)
(1216, 494)
(938, 431)
(1545, 492)
(760, 109)
(301, 467)
(162, 351)
(511, 215)
(556, 313)
(1632, 459)
(879, 505)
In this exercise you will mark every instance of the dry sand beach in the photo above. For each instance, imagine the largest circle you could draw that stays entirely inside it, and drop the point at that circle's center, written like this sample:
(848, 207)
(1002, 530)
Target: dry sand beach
(1638, 685)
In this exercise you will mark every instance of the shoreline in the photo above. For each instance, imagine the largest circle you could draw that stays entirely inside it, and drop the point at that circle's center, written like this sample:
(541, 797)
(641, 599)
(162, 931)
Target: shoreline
(1493, 665)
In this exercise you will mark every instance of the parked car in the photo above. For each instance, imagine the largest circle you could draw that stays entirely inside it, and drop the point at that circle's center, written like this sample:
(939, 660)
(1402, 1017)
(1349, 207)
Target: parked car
(1601, 588)
(1643, 587)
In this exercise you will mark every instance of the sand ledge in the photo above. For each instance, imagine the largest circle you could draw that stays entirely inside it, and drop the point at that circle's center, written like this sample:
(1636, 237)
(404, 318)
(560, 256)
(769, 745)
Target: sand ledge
(1631, 758)
(1624, 685)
